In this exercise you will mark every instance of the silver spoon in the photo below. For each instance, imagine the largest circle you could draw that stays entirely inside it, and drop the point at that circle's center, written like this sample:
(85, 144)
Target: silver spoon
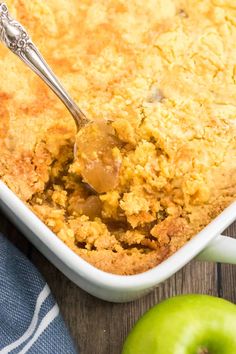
(15, 37)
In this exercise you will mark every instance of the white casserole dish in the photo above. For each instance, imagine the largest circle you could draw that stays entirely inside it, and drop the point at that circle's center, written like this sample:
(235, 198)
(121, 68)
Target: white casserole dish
(208, 245)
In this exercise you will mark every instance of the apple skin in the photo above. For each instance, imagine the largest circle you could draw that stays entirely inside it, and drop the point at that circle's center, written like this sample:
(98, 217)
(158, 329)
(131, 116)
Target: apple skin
(186, 324)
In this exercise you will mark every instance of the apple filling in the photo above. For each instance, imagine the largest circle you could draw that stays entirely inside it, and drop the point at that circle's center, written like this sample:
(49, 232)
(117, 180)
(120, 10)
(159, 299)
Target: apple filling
(97, 157)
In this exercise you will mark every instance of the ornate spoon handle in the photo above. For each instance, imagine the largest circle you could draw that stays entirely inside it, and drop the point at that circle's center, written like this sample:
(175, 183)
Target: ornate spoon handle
(15, 37)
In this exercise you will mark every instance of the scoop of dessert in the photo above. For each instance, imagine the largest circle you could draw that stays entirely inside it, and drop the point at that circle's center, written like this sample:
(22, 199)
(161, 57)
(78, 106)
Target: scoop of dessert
(97, 156)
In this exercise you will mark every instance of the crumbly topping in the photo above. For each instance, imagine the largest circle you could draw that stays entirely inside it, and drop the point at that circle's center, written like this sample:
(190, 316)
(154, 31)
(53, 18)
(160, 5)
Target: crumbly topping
(164, 73)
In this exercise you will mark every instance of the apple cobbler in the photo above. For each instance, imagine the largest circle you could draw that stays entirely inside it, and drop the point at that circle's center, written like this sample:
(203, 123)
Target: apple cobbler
(163, 73)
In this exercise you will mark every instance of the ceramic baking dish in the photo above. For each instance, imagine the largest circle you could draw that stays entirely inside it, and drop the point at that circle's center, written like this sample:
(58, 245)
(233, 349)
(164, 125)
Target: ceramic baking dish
(207, 245)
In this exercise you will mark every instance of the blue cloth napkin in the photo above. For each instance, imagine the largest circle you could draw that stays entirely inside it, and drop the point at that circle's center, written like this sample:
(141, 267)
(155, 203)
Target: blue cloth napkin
(30, 321)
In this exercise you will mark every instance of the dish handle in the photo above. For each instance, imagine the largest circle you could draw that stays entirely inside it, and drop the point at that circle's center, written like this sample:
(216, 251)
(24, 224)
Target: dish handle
(222, 249)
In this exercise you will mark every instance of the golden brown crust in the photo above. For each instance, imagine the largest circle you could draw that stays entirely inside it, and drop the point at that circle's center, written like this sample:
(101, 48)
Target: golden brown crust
(165, 73)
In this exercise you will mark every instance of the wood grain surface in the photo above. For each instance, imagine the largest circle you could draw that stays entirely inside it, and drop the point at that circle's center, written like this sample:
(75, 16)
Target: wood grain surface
(99, 327)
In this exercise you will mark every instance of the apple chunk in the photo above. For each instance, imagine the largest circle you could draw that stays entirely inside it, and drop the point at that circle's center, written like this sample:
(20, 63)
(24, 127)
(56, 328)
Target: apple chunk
(187, 324)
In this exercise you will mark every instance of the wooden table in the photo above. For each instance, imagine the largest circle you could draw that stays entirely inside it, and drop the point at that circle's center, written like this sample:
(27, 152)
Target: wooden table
(100, 327)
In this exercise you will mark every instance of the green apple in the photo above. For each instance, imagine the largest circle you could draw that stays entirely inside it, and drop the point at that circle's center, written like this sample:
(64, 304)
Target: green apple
(187, 324)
